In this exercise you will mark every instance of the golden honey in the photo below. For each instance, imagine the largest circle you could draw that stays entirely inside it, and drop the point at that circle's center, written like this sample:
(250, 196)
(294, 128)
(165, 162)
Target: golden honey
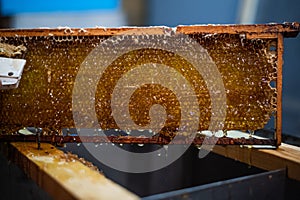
(44, 96)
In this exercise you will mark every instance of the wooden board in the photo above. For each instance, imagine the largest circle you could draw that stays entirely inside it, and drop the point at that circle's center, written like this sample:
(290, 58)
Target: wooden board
(285, 156)
(288, 29)
(63, 176)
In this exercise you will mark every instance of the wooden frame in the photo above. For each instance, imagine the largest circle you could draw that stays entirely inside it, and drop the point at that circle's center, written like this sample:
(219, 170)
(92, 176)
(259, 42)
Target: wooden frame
(268, 31)
(36, 162)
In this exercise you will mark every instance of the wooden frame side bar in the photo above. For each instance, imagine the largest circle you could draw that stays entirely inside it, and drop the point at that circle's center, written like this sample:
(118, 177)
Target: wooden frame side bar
(279, 88)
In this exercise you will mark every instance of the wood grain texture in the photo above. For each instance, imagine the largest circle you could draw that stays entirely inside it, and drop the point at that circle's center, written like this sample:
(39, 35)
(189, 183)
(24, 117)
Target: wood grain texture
(285, 156)
(278, 122)
(62, 176)
(288, 29)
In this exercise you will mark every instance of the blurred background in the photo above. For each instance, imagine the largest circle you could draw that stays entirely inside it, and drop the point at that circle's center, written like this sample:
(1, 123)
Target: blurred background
(114, 13)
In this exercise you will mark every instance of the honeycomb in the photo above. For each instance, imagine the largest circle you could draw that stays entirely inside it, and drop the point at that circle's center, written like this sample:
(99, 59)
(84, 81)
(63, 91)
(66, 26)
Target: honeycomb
(44, 96)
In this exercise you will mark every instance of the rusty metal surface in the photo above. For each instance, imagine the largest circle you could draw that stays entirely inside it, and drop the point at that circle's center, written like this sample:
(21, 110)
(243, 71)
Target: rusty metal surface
(249, 58)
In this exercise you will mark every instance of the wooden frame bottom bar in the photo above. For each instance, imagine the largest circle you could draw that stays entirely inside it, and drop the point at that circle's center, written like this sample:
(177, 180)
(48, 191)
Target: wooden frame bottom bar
(180, 140)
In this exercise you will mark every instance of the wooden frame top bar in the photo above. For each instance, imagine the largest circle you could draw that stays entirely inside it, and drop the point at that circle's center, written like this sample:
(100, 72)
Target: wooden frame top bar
(288, 30)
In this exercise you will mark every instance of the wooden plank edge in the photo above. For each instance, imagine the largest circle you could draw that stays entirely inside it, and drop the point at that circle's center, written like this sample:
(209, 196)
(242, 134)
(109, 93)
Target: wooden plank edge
(278, 120)
(285, 156)
(288, 29)
(60, 177)
(98, 31)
